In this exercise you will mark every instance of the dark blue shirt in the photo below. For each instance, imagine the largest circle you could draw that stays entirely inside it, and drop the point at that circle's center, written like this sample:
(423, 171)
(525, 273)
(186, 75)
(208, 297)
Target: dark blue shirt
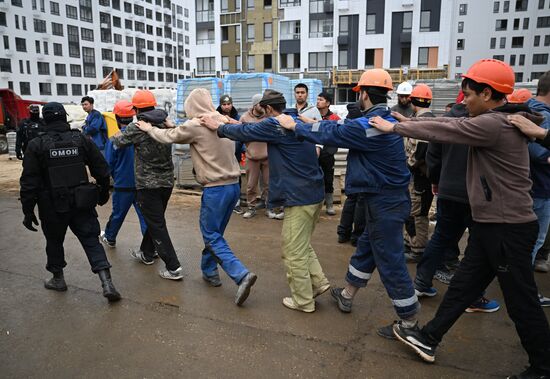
(121, 163)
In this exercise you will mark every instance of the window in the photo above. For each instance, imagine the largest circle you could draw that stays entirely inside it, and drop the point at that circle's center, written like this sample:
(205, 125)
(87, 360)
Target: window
(458, 61)
(250, 32)
(24, 22)
(57, 29)
(290, 62)
(536, 41)
(496, 6)
(540, 58)
(139, 26)
(129, 57)
(516, 23)
(127, 7)
(3, 21)
(106, 54)
(518, 77)
(160, 62)
(150, 45)
(541, 4)
(5, 65)
(37, 46)
(536, 75)
(525, 23)
(17, 3)
(225, 34)
(501, 25)
(319, 28)
(131, 75)
(320, 61)
(24, 88)
(28, 67)
(74, 41)
(206, 65)
(251, 63)
(267, 3)
(76, 89)
(463, 9)
(506, 7)
(105, 3)
(54, 8)
(76, 70)
(461, 26)
(517, 42)
(58, 49)
(250, 4)
(71, 12)
(344, 26)
(61, 89)
(88, 59)
(369, 58)
(139, 10)
(6, 42)
(268, 31)
(268, 62)
(151, 61)
(129, 41)
(86, 10)
(225, 63)
(20, 44)
(128, 24)
(547, 40)
(225, 8)
(521, 59)
(45, 88)
(87, 34)
(39, 26)
(371, 23)
(423, 56)
(425, 21)
(118, 39)
(460, 44)
(521, 5)
(117, 22)
(60, 69)
(160, 77)
(407, 22)
(46, 48)
(502, 44)
(343, 59)
(499, 57)
(290, 30)
(43, 68)
(543, 22)
(512, 60)
(16, 21)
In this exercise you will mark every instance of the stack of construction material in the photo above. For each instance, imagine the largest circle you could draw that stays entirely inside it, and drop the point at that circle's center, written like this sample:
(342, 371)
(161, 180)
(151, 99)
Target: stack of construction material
(185, 86)
(315, 87)
(242, 87)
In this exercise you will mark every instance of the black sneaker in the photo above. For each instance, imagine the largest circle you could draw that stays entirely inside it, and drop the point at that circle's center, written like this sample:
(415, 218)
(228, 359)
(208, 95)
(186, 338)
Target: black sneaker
(342, 238)
(354, 242)
(530, 373)
(343, 304)
(414, 338)
(387, 331)
(244, 288)
(213, 280)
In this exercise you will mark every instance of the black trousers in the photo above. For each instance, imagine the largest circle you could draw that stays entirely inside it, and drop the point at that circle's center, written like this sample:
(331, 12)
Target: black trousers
(84, 225)
(352, 221)
(504, 251)
(326, 162)
(544, 251)
(153, 203)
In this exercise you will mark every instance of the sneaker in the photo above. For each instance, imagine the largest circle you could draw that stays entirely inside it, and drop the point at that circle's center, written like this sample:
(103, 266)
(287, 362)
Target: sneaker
(250, 212)
(330, 211)
(321, 290)
(387, 331)
(138, 255)
(270, 214)
(290, 304)
(213, 280)
(176, 274)
(542, 265)
(412, 257)
(104, 239)
(244, 288)
(343, 304)
(483, 305)
(354, 242)
(260, 204)
(544, 301)
(238, 210)
(343, 239)
(444, 276)
(425, 292)
(530, 373)
(280, 216)
(414, 338)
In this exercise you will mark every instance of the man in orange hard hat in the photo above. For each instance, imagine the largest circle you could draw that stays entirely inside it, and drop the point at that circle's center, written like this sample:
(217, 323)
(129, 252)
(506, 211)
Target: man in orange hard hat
(519, 96)
(154, 174)
(504, 228)
(121, 163)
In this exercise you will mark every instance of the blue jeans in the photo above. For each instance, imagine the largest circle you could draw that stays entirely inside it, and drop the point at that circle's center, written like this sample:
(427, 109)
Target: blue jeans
(216, 207)
(541, 207)
(452, 220)
(381, 246)
(122, 201)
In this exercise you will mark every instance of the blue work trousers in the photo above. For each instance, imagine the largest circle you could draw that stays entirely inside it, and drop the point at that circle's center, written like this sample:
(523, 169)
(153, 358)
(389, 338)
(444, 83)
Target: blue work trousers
(381, 246)
(122, 201)
(216, 208)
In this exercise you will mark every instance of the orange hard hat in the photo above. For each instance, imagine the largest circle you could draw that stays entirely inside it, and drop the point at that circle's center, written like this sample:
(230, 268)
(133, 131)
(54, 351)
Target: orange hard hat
(123, 108)
(375, 77)
(494, 73)
(144, 99)
(422, 91)
(519, 96)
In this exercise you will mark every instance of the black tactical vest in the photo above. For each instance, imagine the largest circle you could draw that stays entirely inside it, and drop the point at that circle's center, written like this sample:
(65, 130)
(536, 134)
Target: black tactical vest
(32, 130)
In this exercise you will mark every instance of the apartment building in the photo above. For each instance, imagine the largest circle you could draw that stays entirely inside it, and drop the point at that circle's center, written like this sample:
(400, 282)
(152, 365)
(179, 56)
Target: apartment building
(58, 50)
(516, 32)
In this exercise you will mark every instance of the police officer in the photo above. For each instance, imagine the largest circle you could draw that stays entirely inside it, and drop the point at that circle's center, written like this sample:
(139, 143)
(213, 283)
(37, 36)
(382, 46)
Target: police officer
(54, 177)
(28, 129)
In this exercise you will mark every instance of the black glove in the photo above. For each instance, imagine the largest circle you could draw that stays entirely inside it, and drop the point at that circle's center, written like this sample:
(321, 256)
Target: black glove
(103, 197)
(19, 155)
(29, 220)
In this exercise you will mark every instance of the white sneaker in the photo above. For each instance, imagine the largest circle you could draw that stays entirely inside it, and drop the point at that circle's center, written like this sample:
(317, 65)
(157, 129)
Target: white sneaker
(104, 240)
(250, 212)
(280, 216)
(270, 214)
(177, 274)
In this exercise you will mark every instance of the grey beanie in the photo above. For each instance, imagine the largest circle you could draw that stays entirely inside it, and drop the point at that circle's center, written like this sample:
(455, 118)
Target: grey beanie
(256, 99)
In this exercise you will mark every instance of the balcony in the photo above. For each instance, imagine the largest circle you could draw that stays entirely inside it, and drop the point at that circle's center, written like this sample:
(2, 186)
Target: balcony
(205, 16)
(289, 37)
(205, 41)
(289, 3)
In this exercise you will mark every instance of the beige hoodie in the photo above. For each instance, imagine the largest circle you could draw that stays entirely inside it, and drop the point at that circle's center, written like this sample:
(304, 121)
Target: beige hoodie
(213, 158)
(256, 151)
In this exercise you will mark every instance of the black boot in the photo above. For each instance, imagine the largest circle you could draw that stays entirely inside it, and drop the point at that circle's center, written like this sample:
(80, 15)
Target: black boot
(56, 283)
(109, 290)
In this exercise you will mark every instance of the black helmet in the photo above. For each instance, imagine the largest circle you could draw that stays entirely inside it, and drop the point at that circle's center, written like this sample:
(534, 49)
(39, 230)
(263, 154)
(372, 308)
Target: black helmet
(54, 112)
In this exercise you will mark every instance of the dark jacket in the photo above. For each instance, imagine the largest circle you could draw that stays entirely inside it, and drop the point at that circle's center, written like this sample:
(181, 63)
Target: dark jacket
(405, 111)
(540, 169)
(447, 164)
(376, 161)
(27, 129)
(96, 128)
(121, 163)
(295, 177)
(34, 179)
(153, 160)
(233, 114)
